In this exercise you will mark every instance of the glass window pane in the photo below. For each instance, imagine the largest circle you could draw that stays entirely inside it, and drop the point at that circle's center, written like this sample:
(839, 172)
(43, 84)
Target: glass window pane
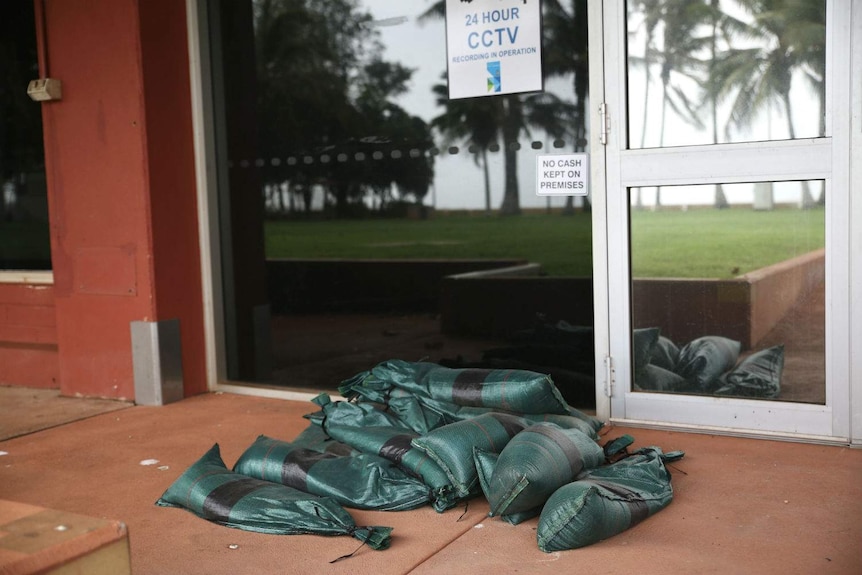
(370, 187)
(725, 71)
(728, 290)
(24, 236)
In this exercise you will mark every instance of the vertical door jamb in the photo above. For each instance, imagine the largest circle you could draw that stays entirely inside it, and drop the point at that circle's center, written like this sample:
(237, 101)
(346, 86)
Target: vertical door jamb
(598, 189)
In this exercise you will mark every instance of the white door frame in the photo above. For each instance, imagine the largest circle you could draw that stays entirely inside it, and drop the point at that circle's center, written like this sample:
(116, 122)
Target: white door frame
(616, 169)
(855, 312)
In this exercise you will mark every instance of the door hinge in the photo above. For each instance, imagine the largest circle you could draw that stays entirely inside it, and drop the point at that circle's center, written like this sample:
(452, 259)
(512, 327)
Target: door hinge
(609, 376)
(604, 123)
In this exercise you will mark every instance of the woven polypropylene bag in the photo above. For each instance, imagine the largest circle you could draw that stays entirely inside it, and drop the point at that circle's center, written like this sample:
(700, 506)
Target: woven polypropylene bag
(395, 445)
(367, 429)
(605, 502)
(362, 481)
(655, 378)
(703, 361)
(758, 375)
(587, 425)
(665, 354)
(351, 414)
(211, 491)
(535, 463)
(509, 390)
(315, 438)
(451, 446)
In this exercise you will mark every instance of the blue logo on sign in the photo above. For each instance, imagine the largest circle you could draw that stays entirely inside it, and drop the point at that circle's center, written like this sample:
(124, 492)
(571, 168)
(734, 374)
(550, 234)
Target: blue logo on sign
(494, 76)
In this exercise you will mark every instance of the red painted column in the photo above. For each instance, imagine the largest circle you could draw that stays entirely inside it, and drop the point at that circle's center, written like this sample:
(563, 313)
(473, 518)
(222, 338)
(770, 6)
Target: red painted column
(172, 186)
(118, 150)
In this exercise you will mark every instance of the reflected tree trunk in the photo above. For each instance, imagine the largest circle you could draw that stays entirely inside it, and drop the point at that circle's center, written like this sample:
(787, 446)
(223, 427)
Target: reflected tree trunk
(512, 123)
(720, 202)
(487, 182)
(763, 196)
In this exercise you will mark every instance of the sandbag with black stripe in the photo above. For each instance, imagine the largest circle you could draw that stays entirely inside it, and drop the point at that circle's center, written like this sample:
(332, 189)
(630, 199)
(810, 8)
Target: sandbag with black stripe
(315, 438)
(395, 445)
(512, 390)
(534, 464)
(758, 375)
(425, 396)
(366, 429)
(451, 446)
(702, 361)
(606, 501)
(578, 420)
(211, 491)
(350, 414)
(362, 481)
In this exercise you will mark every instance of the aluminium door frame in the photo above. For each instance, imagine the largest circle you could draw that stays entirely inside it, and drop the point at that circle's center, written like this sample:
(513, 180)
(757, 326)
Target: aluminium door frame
(616, 169)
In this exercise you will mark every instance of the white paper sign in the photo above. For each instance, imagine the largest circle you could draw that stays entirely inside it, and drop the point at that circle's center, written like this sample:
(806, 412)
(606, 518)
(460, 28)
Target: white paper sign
(562, 175)
(493, 47)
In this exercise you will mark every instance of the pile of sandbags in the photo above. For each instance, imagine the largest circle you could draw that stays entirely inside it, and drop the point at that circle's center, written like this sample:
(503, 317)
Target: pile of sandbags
(417, 433)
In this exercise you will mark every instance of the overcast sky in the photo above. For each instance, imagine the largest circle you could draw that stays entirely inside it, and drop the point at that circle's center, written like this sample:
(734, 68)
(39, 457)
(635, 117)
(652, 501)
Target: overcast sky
(459, 182)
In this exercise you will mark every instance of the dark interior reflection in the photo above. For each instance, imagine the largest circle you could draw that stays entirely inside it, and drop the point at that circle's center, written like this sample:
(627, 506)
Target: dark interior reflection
(24, 236)
(366, 217)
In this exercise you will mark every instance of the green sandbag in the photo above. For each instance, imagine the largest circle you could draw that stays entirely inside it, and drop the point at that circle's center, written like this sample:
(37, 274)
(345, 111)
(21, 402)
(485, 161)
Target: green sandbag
(758, 375)
(404, 410)
(586, 424)
(655, 378)
(352, 414)
(362, 481)
(665, 354)
(703, 361)
(644, 341)
(535, 463)
(211, 491)
(394, 445)
(423, 413)
(516, 391)
(367, 429)
(451, 446)
(606, 501)
(313, 437)
(485, 463)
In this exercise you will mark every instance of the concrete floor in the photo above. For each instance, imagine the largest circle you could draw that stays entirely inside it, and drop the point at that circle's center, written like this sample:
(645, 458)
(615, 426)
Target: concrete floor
(742, 506)
(24, 410)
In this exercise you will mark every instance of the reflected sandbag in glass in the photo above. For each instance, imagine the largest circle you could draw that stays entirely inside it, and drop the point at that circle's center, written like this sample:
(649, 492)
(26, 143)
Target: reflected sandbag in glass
(727, 272)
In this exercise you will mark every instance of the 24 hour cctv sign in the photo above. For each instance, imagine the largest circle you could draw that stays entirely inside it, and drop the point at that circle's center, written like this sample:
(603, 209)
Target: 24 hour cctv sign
(494, 47)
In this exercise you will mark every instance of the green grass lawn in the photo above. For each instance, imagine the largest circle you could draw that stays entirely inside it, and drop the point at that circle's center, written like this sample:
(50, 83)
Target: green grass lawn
(561, 244)
(709, 243)
(696, 243)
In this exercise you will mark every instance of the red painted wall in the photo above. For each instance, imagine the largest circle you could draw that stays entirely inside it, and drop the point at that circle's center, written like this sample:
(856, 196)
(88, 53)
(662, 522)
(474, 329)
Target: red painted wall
(121, 190)
(28, 336)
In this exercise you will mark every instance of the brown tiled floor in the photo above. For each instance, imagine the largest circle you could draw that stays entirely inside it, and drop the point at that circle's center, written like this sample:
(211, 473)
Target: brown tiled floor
(742, 506)
(24, 410)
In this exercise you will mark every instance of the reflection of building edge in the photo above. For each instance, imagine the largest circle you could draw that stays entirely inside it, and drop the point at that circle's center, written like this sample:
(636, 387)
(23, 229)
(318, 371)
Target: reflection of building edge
(243, 248)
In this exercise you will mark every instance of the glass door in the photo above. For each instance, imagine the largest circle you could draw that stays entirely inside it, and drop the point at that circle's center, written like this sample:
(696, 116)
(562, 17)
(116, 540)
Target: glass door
(726, 210)
(362, 215)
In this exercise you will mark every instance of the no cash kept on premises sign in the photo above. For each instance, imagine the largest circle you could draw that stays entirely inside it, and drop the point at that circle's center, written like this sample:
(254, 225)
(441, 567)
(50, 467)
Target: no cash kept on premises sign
(562, 175)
